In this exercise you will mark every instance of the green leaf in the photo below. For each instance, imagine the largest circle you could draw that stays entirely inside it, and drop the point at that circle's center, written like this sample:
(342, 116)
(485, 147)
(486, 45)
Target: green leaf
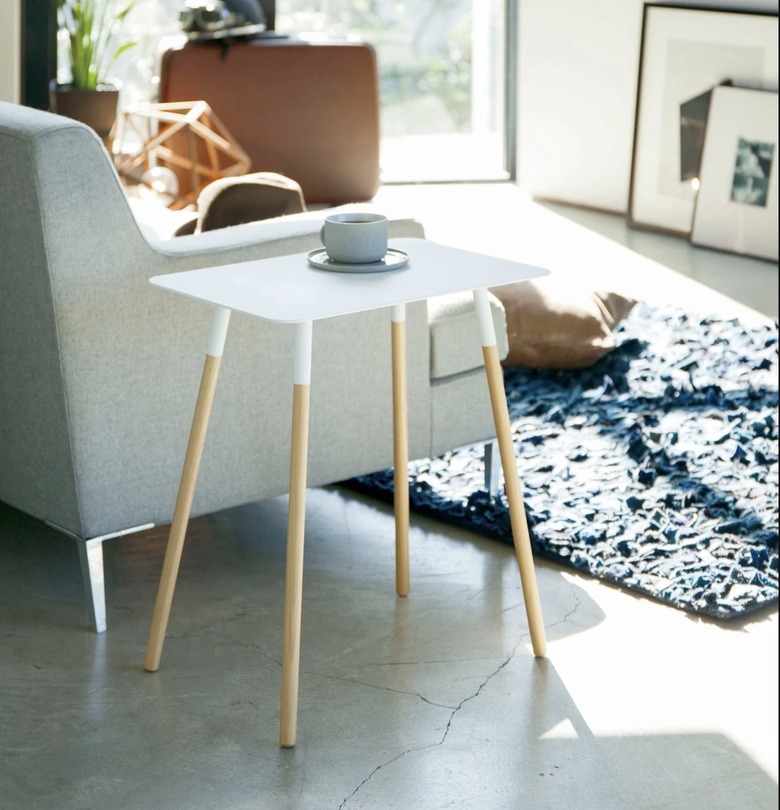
(121, 49)
(94, 37)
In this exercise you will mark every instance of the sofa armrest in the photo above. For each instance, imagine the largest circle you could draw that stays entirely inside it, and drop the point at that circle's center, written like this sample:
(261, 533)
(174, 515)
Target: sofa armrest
(453, 324)
(294, 233)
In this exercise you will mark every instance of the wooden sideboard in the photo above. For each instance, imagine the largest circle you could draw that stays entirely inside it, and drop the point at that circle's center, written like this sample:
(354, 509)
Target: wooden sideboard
(306, 110)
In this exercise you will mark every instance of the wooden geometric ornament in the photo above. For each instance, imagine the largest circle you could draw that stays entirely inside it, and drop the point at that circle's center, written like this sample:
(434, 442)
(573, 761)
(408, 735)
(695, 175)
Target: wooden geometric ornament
(188, 138)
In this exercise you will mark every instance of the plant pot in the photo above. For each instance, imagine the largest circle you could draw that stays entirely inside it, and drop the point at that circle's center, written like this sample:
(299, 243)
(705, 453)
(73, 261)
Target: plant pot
(95, 108)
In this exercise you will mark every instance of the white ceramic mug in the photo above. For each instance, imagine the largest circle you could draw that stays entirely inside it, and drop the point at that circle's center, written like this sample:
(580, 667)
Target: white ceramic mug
(355, 238)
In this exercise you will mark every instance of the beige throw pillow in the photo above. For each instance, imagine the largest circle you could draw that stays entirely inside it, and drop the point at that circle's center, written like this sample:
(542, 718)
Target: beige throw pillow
(556, 325)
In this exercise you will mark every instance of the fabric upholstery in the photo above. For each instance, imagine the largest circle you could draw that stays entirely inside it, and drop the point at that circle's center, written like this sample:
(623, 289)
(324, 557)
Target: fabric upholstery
(36, 467)
(99, 371)
(455, 345)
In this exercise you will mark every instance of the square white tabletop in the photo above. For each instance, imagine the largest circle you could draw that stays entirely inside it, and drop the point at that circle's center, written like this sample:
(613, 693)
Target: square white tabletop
(287, 289)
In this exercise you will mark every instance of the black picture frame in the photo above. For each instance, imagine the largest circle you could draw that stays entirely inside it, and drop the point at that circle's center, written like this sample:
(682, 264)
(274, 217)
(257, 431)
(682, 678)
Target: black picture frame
(685, 52)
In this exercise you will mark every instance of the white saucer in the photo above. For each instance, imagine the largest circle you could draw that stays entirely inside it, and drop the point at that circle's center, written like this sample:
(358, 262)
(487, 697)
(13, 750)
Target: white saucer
(392, 260)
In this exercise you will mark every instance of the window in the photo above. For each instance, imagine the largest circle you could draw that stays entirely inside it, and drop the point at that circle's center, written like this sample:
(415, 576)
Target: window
(442, 76)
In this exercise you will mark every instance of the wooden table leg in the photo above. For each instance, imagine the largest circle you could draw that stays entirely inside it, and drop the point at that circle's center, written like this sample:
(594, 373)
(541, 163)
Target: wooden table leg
(189, 477)
(296, 520)
(400, 450)
(514, 493)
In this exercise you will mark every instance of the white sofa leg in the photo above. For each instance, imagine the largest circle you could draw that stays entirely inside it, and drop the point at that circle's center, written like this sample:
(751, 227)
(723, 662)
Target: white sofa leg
(91, 558)
(492, 468)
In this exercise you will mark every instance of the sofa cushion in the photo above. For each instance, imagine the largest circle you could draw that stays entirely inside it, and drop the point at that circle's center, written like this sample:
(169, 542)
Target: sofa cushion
(559, 326)
(454, 328)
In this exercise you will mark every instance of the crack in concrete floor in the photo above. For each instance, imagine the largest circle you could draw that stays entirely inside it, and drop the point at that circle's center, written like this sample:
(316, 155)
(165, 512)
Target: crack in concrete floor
(446, 730)
(566, 618)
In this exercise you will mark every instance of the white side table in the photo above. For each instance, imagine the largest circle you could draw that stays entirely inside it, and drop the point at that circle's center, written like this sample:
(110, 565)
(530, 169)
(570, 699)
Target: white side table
(288, 290)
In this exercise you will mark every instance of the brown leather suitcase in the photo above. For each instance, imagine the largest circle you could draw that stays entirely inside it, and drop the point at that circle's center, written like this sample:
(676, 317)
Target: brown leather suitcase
(309, 111)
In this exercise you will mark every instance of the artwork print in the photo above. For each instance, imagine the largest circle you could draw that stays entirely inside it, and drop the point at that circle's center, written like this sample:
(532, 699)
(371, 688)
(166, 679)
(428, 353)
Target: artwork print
(752, 170)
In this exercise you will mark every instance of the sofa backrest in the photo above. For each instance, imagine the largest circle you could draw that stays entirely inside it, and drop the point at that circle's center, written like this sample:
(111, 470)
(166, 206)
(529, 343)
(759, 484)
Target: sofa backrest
(64, 220)
(32, 402)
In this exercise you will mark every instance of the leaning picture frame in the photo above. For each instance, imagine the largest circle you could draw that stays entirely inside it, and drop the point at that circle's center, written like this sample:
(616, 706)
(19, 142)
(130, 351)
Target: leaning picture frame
(686, 52)
(736, 206)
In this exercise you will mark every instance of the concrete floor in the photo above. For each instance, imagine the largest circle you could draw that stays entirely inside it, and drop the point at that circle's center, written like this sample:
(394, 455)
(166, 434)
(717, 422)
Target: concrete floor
(433, 701)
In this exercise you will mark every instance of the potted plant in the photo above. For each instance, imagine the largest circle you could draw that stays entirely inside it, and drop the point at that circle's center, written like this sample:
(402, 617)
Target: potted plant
(93, 35)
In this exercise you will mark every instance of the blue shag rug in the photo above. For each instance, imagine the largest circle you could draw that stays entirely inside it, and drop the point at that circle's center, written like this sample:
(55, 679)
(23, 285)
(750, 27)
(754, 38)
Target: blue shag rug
(655, 469)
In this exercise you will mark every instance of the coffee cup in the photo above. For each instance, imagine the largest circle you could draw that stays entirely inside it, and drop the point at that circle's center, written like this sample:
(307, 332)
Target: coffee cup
(355, 237)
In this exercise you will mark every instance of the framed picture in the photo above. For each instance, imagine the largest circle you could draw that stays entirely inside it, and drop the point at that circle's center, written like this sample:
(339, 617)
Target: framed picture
(685, 53)
(736, 207)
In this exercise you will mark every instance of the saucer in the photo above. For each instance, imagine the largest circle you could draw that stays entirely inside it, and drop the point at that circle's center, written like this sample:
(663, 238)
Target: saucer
(393, 260)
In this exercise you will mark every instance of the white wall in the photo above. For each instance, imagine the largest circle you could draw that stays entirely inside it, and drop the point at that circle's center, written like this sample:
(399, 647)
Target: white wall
(578, 66)
(10, 56)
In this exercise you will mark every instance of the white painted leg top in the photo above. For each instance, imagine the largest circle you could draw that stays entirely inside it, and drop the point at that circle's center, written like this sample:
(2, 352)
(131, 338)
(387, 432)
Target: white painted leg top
(302, 369)
(218, 332)
(399, 313)
(487, 332)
